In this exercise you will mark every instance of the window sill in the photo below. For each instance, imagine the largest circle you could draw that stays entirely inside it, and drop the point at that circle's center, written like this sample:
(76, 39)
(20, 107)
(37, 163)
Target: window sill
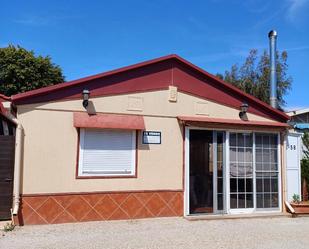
(106, 177)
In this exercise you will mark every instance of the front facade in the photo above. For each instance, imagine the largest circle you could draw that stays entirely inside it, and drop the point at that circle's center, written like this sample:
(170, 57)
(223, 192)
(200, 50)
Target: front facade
(161, 138)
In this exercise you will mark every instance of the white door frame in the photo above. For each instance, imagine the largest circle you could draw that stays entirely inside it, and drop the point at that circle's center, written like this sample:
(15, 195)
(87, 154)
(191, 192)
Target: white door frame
(187, 170)
(187, 173)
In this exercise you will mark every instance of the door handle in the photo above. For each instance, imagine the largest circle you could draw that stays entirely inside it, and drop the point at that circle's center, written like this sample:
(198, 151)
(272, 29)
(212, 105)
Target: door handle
(8, 179)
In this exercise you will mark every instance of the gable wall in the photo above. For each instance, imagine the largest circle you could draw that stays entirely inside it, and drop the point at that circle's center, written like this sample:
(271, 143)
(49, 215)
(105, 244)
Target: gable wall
(152, 77)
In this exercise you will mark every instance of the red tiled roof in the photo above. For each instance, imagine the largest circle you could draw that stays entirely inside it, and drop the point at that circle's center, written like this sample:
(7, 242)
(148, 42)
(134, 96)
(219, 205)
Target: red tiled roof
(4, 98)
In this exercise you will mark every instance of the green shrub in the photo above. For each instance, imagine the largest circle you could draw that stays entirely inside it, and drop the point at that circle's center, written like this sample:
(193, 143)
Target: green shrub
(296, 199)
(8, 227)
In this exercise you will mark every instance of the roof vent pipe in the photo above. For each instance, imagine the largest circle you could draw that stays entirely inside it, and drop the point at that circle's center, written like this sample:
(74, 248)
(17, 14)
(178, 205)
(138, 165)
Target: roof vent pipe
(272, 35)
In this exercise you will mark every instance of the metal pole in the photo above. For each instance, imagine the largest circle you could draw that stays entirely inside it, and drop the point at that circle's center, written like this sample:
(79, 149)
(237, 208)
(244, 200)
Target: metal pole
(273, 77)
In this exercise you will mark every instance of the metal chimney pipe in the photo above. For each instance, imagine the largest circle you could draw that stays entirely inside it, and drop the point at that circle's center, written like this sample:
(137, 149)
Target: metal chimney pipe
(272, 35)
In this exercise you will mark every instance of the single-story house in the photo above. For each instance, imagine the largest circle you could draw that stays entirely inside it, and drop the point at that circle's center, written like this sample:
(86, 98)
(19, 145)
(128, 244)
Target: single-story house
(158, 138)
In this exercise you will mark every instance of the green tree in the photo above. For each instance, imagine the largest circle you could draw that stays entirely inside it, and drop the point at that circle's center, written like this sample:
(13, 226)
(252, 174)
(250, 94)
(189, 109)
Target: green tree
(305, 140)
(305, 160)
(21, 70)
(253, 76)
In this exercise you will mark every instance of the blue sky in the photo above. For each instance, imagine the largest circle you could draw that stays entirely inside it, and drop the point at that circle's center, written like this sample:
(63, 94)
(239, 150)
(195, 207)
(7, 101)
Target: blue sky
(89, 37)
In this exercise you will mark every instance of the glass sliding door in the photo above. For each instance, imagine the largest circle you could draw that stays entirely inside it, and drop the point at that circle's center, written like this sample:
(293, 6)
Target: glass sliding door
(251, 181)
(266, 161)
(241, 170)
(254, 171)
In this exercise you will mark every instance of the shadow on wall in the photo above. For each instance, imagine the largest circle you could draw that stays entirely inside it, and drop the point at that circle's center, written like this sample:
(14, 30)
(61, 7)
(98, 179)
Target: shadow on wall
(91, 108)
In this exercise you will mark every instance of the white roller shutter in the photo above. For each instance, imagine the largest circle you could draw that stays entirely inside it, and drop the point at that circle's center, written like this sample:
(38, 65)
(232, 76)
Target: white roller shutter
(107, 152)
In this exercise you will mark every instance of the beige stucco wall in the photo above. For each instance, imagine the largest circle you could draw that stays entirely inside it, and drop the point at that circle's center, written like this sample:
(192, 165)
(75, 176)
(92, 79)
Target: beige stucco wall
(147, 103)
(50, 144)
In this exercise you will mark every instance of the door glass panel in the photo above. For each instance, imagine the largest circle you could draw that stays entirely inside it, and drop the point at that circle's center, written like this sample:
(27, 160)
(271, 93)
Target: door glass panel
(233, 200)
(220, 172)
(266, 148)
(241, 170)
(201, 171)
(207, 175)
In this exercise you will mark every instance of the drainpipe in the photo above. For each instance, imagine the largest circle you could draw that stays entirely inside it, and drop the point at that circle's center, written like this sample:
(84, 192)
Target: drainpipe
(273, 77)
(17, 165)
(17, 161)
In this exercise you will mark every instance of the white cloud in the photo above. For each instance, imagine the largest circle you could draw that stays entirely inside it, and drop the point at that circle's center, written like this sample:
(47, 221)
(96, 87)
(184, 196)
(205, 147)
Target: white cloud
(294, 8)
(294, 108)
(299, 48)
(32, 21)
(42, 20)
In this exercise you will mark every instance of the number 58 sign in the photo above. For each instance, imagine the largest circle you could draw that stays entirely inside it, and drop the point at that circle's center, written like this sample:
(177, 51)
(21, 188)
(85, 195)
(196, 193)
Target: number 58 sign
(291, 147)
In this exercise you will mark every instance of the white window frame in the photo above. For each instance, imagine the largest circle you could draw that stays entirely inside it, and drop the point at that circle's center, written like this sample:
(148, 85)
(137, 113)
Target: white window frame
(106, 174)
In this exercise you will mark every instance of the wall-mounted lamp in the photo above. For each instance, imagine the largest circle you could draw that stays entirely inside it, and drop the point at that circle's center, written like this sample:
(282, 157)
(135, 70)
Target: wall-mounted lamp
(243, 111)
(85, 94)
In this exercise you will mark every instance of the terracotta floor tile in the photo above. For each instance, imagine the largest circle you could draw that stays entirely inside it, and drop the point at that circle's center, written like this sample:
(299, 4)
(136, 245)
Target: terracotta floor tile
(35, 202)
(78, 208)
(26, 210)
(92, 216)
(144, 197)
(64, 217)
(50, 210)
(106, 206)
(64, 200)
(131, 205)
(166, 212)
(176, 204)
(119, 215)
(34, 219)
(167, 196)
(143, 213)
(119, 198)
(155, 204)
(93, 198)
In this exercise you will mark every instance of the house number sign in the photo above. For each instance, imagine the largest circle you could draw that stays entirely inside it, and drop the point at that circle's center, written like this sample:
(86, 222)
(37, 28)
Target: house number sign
(291, 147)
(151, 137)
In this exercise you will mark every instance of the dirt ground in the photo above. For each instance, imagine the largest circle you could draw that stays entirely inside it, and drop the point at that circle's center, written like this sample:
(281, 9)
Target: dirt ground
(283, 232)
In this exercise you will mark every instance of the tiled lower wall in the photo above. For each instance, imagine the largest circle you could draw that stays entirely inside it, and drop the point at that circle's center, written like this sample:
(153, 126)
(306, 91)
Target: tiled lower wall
(51, 209)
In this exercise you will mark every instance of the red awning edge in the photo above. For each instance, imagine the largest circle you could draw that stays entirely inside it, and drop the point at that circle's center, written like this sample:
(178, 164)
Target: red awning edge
(232, 121)
(108, 121)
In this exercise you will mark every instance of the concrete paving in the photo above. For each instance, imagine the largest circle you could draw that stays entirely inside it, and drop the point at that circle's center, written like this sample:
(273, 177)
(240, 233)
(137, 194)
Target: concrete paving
(278, 232)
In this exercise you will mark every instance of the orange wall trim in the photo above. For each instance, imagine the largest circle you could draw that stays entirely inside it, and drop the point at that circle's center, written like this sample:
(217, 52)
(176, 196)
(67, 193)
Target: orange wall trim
(65, 208)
